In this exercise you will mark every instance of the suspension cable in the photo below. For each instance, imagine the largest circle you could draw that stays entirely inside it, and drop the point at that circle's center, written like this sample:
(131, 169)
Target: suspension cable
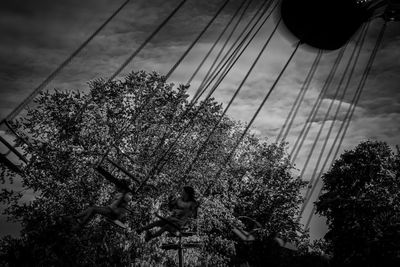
(196, 40)
(361, 85)
(232, 31)
(148, 39)
(321, 127)
(306, 127)
(299, 99)
(218, 39)
(132, 56)
(214, 72)
(216, 85)
(41, 86)
(307, 225)
(194, 101)
(212, 68)
(210, 94)
(234, 57)
(254, 117)
(128, 60)
(357, 48)
(159, 165)
(350, 111)
(204, 145)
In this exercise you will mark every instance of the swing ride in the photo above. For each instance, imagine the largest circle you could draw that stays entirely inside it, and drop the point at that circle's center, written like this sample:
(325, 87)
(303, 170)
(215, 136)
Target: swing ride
(299, 17)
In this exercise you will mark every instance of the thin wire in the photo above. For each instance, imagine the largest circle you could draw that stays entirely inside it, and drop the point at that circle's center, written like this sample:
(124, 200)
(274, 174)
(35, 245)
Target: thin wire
(158, 167)
(355, 100)
(213, 73)
(300, 102)
(199, 152)
(228, 65)
(357, 48)
(254, 116)
(322, 125)
(125, 126)
(361, 85)
(223, 48)
(209, 73)
(217, 40)
(41, 86)
(196, 40)
(307, 225)
(193, 101)
(314, 111)
(134, 54)
(299, 99)
(221, 78)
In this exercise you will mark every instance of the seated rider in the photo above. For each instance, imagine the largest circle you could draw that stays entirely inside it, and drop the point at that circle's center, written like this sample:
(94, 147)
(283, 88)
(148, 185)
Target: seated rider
(182, 208)
(114, 211)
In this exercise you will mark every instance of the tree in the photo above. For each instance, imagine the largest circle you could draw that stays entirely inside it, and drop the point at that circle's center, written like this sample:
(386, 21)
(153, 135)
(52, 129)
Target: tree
(361, 201)
(137, 120)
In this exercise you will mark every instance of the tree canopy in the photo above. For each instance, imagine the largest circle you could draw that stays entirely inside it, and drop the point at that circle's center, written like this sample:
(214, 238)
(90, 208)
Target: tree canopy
(361, 201)
(137, 120)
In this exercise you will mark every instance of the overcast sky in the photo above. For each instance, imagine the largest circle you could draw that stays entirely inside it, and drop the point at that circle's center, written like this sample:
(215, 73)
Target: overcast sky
(36, 36)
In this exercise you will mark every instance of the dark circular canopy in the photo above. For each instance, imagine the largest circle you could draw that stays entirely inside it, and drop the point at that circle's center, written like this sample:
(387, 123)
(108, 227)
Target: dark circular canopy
(324, 24)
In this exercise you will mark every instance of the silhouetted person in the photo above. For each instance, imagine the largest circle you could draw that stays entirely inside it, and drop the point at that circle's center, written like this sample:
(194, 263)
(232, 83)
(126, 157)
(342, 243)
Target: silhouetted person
(115, 211)
(183, 209)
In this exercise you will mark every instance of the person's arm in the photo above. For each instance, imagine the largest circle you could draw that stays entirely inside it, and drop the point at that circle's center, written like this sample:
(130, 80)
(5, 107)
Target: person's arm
(172, 202)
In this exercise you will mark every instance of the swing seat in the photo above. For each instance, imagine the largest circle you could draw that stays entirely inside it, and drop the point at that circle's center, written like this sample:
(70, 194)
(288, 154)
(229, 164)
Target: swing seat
(174, 246)
(6, 161)
(284, 244)
(192, 245)
(182, 234)
(9, 164)
(182, 230)
(325, 24)
(244, 235)
(110, 177)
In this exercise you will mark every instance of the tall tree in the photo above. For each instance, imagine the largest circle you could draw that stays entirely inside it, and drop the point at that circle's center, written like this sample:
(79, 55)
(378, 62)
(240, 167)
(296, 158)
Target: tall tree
(137, 120)
(361, 201)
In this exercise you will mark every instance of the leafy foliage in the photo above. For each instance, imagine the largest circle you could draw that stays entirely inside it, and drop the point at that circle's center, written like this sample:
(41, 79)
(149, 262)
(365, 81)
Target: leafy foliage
(361, 203)
(136, 121)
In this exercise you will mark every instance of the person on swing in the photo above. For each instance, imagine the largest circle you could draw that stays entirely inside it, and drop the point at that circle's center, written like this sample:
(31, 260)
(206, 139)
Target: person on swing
(114, 211)
(182, 209)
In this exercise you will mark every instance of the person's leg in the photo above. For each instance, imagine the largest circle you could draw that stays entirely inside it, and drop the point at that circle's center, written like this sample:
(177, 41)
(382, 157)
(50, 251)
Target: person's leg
(165, 228)
(158, 223)
(82, 213)
(90, 212)
(150, 236)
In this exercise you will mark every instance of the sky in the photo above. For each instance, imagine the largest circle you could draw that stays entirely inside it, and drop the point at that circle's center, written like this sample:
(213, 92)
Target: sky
(36, 36)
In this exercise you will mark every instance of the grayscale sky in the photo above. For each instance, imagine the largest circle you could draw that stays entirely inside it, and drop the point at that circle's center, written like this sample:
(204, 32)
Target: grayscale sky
(36, 36)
